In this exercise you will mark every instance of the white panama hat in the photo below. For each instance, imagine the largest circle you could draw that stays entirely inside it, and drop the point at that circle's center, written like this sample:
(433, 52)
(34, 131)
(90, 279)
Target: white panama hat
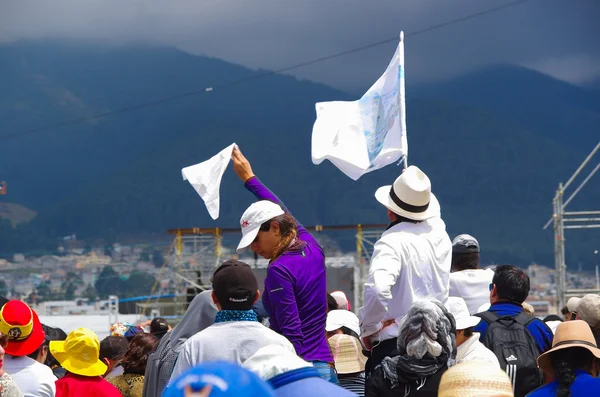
(410, 196)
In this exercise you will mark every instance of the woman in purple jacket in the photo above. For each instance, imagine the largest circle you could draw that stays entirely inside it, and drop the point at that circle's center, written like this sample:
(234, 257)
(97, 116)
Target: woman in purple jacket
(295, 293)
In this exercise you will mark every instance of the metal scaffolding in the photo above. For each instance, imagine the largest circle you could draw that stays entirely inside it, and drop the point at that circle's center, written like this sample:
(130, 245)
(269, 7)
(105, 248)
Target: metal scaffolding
(564, 220)
(365, 241)
(204, 247)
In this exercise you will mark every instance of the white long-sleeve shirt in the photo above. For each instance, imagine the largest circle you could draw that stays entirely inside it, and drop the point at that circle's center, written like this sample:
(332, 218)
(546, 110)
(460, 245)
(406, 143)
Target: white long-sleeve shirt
(410, 262)
(473, 285)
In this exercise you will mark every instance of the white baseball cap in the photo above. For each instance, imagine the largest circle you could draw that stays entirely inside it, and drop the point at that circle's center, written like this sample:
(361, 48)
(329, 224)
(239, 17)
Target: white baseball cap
(458, 308)
(573, 303)
(257, 214)
(337, 319)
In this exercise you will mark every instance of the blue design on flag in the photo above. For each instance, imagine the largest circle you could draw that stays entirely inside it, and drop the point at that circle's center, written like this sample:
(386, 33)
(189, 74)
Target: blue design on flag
(379, 113)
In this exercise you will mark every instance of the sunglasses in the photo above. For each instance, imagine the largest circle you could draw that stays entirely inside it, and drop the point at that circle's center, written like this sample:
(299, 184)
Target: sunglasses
(3, 340)
(491, 286)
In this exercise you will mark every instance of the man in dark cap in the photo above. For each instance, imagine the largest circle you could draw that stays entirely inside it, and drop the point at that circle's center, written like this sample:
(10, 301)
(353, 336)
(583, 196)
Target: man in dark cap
(236, 334)
(468, 280)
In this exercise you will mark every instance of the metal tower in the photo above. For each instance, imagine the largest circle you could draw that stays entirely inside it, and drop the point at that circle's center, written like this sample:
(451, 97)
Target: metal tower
(574, 220)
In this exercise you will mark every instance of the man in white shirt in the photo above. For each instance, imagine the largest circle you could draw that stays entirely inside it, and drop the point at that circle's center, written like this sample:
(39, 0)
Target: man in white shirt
(26, 338)
(467, 280)
(410, 262)
(236, 334)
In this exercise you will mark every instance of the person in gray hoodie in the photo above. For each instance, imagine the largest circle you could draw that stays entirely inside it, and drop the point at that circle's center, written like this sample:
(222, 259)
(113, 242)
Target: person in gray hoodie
(199, 315)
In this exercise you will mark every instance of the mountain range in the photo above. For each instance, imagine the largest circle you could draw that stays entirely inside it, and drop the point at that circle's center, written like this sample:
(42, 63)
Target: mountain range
(495, 143)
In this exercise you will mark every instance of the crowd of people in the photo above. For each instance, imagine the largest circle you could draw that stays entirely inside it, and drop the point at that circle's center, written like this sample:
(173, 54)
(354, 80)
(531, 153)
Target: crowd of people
(434, 323)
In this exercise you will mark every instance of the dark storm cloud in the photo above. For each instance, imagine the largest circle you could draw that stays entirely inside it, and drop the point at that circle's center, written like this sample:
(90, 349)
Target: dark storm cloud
(554, 36)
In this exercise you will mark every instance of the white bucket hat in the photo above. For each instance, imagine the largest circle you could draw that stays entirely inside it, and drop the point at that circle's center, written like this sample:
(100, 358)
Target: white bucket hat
(458, 308)
(410, 196)
(337, 319)
(257, 214)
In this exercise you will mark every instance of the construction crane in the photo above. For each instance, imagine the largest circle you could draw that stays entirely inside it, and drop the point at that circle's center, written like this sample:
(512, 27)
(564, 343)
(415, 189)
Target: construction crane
(3, 188)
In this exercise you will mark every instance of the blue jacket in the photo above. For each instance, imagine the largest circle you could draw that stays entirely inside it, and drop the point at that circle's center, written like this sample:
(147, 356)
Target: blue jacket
(585, 385)
(537, 328)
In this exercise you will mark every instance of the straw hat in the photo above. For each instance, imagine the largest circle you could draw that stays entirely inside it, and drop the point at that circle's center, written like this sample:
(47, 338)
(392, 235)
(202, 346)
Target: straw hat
(576, 333)
(79, 353)
(475, 379)
(347, 354)
(589, 310)
(410, 196)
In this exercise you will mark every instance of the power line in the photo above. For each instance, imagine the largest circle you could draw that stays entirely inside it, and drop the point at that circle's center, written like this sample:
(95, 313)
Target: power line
(258, 76)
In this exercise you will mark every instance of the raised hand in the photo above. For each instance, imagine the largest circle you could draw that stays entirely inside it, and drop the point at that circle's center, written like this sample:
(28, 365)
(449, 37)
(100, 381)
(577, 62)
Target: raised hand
(241, 165)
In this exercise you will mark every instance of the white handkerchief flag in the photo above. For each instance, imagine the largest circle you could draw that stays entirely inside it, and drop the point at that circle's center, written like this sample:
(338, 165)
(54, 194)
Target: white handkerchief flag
(205, 178)
(368, 134)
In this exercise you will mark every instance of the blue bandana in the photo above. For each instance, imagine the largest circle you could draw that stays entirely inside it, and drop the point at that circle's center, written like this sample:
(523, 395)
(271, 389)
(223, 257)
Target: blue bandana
(235, 315)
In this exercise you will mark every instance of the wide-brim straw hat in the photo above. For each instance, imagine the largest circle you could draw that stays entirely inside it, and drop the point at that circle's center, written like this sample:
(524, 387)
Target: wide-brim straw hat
(475, 379)
(576, 333)
(347, 354)
(410, 196)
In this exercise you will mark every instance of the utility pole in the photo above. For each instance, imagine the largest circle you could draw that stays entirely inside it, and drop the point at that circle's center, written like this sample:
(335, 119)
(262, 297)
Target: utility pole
(597, 274)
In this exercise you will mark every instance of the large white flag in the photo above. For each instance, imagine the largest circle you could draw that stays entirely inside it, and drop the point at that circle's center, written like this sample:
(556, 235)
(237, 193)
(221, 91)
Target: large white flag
(368, 134)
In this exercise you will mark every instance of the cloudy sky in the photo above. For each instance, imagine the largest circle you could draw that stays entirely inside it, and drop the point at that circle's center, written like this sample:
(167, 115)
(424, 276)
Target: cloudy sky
(557, 37)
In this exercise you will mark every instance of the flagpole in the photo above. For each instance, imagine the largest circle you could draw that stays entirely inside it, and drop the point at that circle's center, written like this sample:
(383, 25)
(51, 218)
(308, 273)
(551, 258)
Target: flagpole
(402, 108)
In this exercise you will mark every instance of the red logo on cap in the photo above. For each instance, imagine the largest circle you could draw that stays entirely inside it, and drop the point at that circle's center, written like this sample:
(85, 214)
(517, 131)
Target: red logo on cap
(244, 224)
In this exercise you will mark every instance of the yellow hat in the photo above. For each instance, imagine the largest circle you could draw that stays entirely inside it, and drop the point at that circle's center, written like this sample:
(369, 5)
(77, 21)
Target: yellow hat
(475, 379)
(79, 353)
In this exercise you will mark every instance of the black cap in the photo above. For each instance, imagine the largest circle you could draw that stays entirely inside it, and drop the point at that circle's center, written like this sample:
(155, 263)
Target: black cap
(159, 326)
(235, 285)
(465, 244)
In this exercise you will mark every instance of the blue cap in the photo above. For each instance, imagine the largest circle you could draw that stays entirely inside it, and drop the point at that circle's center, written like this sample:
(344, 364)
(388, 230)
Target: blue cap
(226, 379)
(132, 331)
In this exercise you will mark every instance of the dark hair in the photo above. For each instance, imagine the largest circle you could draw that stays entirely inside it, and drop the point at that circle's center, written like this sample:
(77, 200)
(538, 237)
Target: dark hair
(565, 362)
(512, 283)
(34, 355)
(56, 334)
(331, 303)
(565, 310)
(136, 357)
(552, 317)
(465, 260)
(348, 331)
(468, 332)
(400, 218)
(113, 347)
(288, 229)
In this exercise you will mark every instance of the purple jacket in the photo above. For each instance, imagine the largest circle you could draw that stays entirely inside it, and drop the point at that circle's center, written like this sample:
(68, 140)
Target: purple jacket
(296, 291)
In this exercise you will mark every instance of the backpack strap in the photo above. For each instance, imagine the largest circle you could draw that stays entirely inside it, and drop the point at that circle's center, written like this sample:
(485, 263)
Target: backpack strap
(488, 317)
(524, 319)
